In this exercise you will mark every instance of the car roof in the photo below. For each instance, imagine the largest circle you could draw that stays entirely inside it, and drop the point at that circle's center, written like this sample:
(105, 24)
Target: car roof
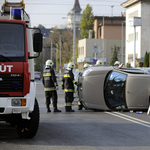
(127, 70)
(132, 70)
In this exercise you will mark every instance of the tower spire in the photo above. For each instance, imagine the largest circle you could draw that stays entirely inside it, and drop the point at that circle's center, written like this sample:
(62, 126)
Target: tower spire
(76, 8)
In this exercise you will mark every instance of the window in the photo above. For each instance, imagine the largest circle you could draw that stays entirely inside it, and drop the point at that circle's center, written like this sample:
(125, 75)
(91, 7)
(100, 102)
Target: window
(12, 40)
(131, 37)
(115, 90)
(133, 14)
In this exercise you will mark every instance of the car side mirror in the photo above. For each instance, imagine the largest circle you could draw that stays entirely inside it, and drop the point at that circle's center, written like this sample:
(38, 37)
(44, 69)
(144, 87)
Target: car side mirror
(37, 42)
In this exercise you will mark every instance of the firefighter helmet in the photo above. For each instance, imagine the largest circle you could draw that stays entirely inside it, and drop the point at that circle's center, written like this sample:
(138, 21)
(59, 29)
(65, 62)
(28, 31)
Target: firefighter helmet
(49, 63)
(117, 63)
(99, 63)
(70, 65)
(86, 65)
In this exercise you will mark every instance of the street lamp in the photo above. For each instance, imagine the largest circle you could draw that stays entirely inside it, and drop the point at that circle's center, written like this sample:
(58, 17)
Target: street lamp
(51, 47)
(74, 40)
(60, 52)
(43, 54)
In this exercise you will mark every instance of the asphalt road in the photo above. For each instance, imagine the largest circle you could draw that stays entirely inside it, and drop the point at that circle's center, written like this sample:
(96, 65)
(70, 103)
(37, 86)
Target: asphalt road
(81, 130)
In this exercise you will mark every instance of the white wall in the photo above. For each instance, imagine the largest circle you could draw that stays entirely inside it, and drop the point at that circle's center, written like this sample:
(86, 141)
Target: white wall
(145, 36)
(143, 42)
(130, 31)
(85, 49)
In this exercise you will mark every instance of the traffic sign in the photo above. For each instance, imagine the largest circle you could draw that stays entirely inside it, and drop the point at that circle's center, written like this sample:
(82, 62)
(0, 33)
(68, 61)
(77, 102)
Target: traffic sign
(60, 67)
(94, 61)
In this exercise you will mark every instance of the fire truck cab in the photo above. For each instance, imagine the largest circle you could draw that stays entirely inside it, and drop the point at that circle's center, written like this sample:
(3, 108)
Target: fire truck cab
(18, 104)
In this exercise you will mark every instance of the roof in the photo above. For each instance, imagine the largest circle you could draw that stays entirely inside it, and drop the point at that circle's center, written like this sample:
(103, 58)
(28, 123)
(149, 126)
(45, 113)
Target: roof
(129, 3)
(109, 17)
(44, 31)
(76, 6)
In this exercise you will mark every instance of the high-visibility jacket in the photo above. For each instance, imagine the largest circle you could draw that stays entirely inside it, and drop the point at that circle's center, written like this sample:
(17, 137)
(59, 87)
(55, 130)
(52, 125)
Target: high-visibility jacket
(49, 79)
(68, 81)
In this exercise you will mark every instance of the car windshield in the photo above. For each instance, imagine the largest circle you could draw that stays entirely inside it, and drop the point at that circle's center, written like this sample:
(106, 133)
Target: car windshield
(115, 90)
(76, 75)
(12, 40)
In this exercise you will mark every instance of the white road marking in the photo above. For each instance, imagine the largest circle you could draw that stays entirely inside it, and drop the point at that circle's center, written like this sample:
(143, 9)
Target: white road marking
(131, 119)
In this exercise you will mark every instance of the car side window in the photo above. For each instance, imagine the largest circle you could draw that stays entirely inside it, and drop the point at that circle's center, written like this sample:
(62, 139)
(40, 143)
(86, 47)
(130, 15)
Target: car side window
(115, 90)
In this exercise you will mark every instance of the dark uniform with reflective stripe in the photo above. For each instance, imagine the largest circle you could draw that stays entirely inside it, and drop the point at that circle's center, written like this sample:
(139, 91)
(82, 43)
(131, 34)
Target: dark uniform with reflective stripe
(68, 86)
(50, 83)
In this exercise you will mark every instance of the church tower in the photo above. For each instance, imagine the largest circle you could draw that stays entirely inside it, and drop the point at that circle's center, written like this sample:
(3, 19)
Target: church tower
(75, 16)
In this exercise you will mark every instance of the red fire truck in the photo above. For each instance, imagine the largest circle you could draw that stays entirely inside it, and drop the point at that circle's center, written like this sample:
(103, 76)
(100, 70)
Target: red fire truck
(18, 104)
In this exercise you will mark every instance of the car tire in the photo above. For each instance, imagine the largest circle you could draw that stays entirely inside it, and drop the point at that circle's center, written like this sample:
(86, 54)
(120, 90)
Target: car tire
(28, 128)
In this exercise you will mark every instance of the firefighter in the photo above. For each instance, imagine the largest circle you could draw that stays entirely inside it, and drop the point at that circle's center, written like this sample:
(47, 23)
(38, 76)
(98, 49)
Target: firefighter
(86, 66)
(50, 86)
(68, 86)
(118, 64)
(99, 63)
(80, 105)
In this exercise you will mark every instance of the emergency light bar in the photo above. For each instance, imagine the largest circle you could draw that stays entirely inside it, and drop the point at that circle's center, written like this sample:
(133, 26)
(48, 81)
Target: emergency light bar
(16, 13)
(8, 6)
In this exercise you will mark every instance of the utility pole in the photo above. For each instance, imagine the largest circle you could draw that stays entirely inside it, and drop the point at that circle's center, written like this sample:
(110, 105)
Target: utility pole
(112, 10)
(122, 43)
(74, 41)
(103, 40)
(59, 52)
(51, 49)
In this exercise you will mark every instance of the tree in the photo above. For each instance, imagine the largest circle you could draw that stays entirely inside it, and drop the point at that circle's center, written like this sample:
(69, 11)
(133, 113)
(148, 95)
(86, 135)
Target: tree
(114, 57)
(38, 64)
(146, 60)
(128, 65)
(76, 55)
(66, 45)
(87, 22)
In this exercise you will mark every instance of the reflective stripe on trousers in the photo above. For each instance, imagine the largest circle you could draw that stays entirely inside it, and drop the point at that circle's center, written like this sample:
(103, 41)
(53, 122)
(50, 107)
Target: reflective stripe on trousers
(50, 89)
(68, 90)
(68, 104)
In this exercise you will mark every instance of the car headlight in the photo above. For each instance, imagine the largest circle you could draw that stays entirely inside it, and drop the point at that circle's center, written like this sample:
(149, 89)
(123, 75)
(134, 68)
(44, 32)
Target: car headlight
(86, 72)
(18, 102)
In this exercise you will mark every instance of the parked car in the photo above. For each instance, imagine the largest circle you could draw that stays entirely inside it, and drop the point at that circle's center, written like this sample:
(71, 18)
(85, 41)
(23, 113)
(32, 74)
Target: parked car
(109, 88)
(37, 75)
(59, 75)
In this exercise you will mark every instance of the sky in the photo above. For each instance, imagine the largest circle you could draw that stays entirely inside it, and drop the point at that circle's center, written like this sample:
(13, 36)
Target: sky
(51, 13)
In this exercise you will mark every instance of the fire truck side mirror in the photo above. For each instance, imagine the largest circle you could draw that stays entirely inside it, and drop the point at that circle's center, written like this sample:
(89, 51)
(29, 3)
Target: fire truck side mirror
(37, 42)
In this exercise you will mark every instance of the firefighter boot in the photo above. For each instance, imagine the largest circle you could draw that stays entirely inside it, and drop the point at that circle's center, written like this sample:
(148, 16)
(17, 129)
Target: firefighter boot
(55, 108)
(66, 108)
(79, 105)
(48, 109)
(70, 109)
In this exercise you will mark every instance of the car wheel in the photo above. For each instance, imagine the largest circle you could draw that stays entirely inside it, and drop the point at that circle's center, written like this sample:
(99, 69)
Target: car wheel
(28, 128)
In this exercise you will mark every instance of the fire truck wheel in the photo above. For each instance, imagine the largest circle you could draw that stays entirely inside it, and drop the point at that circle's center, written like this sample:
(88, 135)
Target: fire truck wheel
(28, 128)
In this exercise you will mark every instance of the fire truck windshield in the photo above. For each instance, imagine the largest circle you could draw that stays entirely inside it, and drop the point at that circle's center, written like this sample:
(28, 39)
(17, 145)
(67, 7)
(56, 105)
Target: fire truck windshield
(12, 41)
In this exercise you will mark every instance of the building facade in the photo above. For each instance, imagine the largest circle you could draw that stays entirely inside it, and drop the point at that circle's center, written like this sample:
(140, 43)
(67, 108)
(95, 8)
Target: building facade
(137, 8)
(109, 33)
(90, 50)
